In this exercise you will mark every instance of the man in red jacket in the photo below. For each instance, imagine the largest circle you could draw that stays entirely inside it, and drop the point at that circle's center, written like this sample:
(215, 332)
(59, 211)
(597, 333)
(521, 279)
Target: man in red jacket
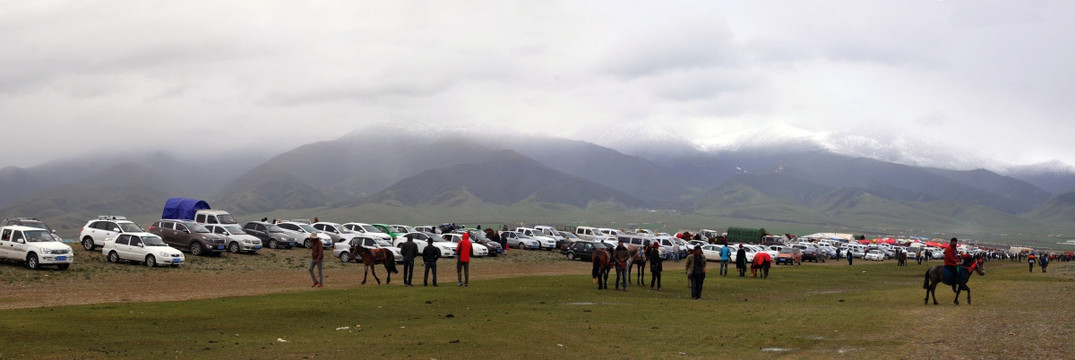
(462, 265)
(951, 261)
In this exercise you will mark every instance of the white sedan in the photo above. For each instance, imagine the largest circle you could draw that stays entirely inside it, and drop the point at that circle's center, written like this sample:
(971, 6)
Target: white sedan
(342, 249)
(447, 249)
(712, 252)
(478, 250)
(141, 247)
(874, 255)
(235, 238)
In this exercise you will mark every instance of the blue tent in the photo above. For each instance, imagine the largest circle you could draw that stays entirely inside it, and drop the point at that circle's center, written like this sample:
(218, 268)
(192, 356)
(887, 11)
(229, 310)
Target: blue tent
(182, 208)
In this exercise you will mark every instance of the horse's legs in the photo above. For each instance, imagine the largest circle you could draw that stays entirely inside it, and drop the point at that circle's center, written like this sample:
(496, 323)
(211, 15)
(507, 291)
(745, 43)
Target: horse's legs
(388, 278)
(365, 272)
(373, 270)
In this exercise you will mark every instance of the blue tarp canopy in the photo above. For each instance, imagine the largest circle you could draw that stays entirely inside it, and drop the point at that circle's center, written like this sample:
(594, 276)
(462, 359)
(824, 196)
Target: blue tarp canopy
(182, 208)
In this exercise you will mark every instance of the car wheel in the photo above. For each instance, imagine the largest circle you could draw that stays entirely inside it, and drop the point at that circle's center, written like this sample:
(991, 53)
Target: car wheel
(196, 248)
(345, 256)
(31, 262)
(571, 256)
(273, 244)
(87, 243)
(151, 261)
(307, 244)
(113, 257)
(233, 247)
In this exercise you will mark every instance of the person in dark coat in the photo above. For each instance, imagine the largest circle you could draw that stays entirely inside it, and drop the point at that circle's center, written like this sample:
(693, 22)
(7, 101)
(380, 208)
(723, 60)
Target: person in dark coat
(653, 255)
(620, 256)
(696, 268)
(409, 250)
(430, 255)
(741, 261)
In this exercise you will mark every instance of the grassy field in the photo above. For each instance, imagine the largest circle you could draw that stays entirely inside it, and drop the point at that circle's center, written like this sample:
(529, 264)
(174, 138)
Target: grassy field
(810, 311)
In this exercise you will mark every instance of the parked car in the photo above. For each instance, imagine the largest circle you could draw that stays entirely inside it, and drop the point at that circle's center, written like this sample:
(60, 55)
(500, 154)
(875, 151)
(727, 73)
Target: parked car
(515, 241)
(711, 252)
(141, 247)
(583, 249)
(301, 232)
(387, 230)
(476, 249)
(363, 228)
(545, 242)
(31, 222)
(35, 246)
(874, 255)
(494, 247)
(189, 236)
(209, 216)
(95, 232)
(789, 255)
(270, 235)
(810, 252)
(235, 239)
(592, 234)
(335, 231)
(342, 249)
(447, 249)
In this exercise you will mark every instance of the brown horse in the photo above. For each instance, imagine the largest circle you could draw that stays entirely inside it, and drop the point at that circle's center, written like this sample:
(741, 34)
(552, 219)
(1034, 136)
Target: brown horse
(935, 275)
(602, 264)
(638, 258)
(372, 257)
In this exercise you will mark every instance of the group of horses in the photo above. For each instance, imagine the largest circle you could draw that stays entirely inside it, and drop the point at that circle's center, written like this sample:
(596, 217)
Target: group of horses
(602, 265)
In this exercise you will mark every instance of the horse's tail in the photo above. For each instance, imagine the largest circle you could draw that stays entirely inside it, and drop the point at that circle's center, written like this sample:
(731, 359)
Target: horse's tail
(390, 262)
(925, 283)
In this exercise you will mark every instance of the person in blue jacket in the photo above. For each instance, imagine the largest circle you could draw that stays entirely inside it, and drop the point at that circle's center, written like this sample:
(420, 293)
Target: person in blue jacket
(725, 257)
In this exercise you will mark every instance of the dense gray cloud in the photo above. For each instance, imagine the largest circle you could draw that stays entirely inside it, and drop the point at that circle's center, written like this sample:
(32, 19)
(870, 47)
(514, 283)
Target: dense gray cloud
(991, 77)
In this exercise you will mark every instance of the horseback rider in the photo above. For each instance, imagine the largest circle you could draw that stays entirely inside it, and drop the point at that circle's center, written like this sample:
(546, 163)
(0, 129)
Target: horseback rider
(951, 263)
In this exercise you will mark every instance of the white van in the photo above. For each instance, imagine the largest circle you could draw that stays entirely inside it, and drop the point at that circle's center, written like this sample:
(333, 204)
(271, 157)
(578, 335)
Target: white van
(208, 216)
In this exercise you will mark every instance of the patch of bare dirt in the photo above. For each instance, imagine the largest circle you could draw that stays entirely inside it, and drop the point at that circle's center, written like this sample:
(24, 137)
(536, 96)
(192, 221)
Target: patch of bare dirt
(92, 280)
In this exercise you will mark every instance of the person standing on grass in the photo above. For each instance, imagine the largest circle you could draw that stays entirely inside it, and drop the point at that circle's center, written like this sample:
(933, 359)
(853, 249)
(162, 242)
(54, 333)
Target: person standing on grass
(409, 250)
(741, 261)
(696, 272)
(620, 256)
(1030, 259)
(430, 255)
(653, 254)
(318, 252)
(1044, 262)
(675, 251)
(850, 256)
(725, 257)
(462, 256)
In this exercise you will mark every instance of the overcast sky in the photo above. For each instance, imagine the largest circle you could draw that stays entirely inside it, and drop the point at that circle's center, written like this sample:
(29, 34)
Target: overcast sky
(992, 76)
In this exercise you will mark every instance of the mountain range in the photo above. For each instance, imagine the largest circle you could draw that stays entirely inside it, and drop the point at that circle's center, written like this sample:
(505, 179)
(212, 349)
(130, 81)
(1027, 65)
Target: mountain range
(397, 171)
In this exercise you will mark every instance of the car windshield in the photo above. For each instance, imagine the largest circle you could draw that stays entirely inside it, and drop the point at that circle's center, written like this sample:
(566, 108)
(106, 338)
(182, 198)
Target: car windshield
(274, 228)
(196, 227)
(307, 228)
(130, 227)
(233, 229)
(37, 224)
(225, 219)
(370, 228)
(38, 236)
(152, 241)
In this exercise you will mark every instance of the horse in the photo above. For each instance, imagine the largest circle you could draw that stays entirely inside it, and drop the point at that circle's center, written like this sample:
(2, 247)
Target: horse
(638, 258)
(602, 264)
(935, 275)
(371, 257)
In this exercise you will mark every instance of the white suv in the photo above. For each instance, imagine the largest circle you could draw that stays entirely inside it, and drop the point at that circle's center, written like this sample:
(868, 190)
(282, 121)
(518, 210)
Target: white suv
(37, 247)
(105, 227)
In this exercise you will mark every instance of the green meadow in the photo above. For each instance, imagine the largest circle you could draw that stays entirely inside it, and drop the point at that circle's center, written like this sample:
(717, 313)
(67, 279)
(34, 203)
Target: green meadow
(810, 311)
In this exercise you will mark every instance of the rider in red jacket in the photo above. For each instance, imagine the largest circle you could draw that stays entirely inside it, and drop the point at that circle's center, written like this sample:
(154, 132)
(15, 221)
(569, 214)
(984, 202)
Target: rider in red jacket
(951, 260)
